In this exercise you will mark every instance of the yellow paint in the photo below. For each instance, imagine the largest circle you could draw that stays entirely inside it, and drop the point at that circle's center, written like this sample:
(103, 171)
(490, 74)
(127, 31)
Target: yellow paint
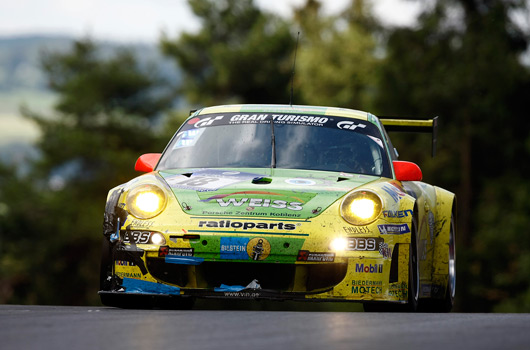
(361, 282)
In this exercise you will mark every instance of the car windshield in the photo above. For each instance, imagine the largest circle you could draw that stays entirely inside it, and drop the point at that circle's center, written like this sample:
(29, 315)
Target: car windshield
(313, 142)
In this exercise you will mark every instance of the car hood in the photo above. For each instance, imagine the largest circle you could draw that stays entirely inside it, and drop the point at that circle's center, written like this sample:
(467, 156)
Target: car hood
(281, 193)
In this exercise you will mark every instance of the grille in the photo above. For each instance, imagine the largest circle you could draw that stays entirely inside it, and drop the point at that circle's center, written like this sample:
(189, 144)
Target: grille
(280, 277)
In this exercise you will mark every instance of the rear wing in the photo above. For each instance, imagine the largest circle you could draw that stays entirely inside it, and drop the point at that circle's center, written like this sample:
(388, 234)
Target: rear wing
(412, 125)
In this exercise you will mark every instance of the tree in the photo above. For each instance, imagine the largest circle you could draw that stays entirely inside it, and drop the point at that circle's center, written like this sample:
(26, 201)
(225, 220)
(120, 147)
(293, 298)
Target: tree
(103, 120)
(240, 55)
(467, 69)
(338, 61)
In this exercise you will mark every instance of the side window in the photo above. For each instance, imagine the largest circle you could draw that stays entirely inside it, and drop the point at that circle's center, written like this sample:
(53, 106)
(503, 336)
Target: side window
(393, 151)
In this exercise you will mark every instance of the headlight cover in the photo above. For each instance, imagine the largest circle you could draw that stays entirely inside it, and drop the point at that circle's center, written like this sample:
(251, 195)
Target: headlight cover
(361, 207)
(146, 201)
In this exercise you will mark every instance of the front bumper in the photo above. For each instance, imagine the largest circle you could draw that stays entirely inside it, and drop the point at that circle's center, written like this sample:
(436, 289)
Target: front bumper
(140, 270)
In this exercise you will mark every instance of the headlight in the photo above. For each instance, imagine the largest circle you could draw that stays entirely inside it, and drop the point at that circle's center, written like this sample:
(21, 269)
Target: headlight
(361, 207)
(158, 239)
(339, 244)
(146, 201)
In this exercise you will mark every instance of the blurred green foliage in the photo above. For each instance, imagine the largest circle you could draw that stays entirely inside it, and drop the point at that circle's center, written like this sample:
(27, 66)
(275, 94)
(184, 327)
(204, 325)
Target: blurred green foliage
(240, 55)
(462, 61)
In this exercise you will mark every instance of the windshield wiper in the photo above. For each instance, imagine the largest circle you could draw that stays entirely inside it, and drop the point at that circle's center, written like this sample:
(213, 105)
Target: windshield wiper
(273, 142)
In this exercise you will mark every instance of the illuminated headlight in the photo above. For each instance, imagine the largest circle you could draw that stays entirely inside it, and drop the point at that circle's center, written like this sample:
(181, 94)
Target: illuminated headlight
(146, 201)
(361, 207)
(338, 244)
(158, 239)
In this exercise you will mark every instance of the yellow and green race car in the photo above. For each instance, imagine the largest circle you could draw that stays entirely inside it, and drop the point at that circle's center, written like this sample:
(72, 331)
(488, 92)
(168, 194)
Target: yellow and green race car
(280, 202)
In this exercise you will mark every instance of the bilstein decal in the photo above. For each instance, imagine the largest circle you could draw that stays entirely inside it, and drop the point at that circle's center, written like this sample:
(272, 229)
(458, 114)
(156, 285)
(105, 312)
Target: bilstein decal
(258, 248)
(234, 248)
(247, 225)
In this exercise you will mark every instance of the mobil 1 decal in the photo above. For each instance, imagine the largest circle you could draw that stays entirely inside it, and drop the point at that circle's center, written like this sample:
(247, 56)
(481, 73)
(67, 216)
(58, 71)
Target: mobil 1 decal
(208, 180)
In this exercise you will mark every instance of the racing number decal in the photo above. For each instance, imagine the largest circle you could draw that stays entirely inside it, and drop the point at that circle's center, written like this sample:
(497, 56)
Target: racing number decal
(198, 181)
(202, 183)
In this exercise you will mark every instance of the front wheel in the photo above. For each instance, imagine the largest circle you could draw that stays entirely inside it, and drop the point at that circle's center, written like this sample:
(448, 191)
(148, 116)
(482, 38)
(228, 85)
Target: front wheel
(445, 304)
(105, 269)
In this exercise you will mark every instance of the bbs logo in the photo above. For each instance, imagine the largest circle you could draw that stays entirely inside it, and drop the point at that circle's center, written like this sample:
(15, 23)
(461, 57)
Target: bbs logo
(364, 244)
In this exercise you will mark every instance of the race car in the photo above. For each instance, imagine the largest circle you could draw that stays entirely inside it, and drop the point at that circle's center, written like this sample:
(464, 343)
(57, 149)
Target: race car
(280, 202)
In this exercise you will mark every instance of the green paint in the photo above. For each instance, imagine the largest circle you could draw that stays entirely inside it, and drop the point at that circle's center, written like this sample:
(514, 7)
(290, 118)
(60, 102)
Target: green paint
(283, 249)
(292, 194)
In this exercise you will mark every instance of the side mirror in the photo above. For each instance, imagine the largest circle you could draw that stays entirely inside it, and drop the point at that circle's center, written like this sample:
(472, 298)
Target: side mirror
(407, 171)
(147, 162)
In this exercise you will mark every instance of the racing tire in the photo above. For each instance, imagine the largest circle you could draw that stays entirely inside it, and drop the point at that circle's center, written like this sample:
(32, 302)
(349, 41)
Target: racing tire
(414, 274)
(445, 304)
(105, 269)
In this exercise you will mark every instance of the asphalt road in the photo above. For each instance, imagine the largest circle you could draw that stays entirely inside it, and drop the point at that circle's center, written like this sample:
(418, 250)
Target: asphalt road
(63, 327)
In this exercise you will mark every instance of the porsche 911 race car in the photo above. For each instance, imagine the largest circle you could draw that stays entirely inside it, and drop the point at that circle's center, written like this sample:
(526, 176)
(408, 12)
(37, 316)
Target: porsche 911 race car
(280, 202)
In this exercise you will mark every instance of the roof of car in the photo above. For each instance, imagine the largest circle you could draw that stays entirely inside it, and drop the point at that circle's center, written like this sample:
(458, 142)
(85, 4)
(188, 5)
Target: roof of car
(315, 110)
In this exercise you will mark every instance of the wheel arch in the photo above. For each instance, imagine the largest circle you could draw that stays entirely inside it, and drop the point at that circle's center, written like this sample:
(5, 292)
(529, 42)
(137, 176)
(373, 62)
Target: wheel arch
(446, 206)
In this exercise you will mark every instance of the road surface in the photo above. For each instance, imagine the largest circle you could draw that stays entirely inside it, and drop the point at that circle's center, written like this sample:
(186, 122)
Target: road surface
(80, 328)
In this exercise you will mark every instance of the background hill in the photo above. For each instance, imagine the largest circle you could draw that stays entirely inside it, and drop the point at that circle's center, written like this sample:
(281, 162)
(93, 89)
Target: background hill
(23, 83)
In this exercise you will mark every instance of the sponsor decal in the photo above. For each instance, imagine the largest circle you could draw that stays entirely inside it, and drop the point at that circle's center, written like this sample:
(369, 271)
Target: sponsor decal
(205, 121)
(394, 192)
(142, 223)
(397, 213)
(306, 255)
(364, 244)
(138, 237)
(188, 138)
(167, 251)
(259, 118)
(377, 140)
(300, 182)
(244, 295)
(393, 229)
(243, 248)
(234, 248)
(366, 287)
(369, 268)
(366, 283)
(247, 225)
(384, 250)
(258, 202)
(399, 290)
(299, 119)
(128, 274)
(242, 118)
(431, 226)
(356, 229)
(350, 125)
(124, 263)
(258, 249)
